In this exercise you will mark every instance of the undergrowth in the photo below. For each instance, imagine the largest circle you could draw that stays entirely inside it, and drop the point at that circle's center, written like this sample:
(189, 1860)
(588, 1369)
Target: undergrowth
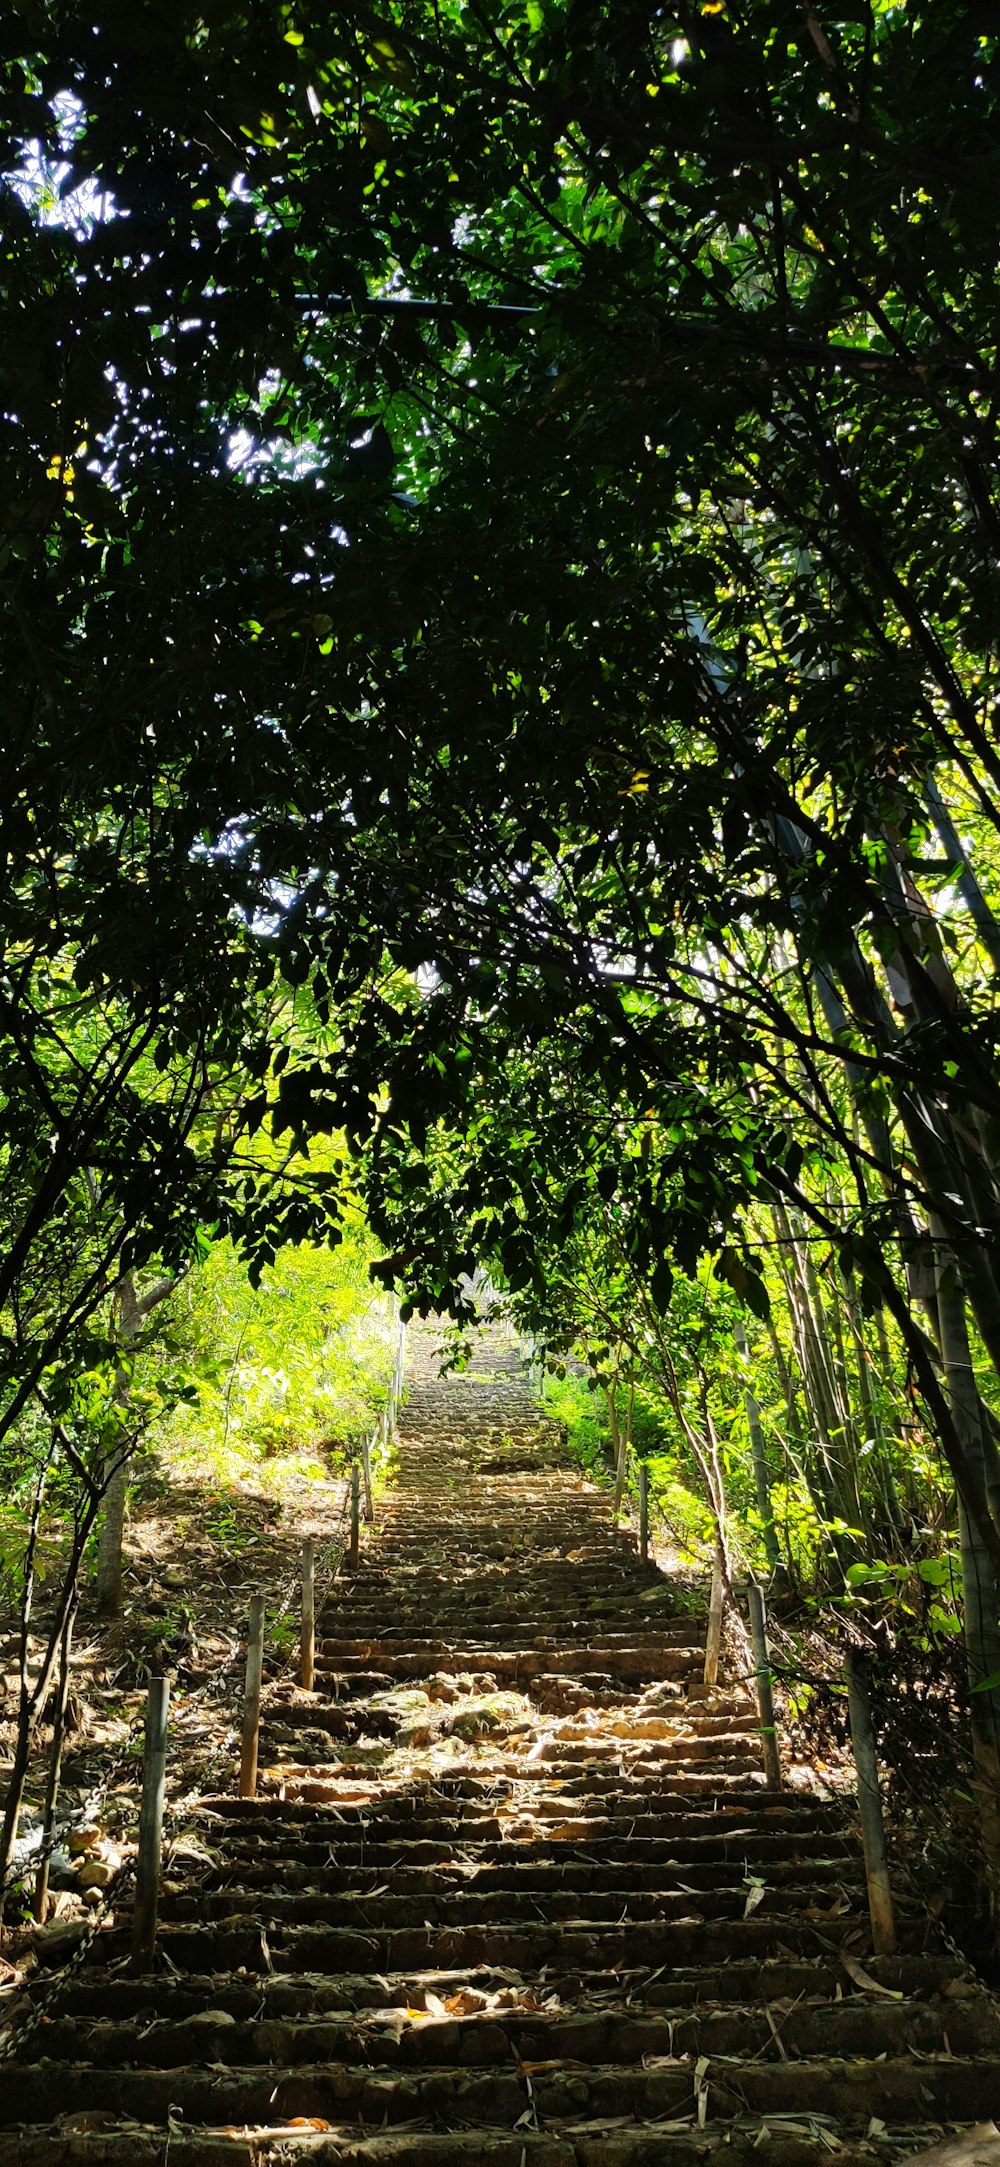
(676, 1511)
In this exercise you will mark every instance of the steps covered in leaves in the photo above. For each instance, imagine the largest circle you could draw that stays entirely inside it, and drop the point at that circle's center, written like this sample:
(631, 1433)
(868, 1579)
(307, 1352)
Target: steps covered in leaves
(513, 1890)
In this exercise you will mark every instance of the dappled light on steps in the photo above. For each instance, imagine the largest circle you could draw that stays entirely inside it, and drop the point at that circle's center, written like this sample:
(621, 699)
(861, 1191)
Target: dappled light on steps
(513, 1890)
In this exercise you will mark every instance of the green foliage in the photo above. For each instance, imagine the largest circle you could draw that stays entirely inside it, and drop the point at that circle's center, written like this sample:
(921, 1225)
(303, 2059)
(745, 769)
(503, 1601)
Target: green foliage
(498, 544)
(681, 1514)
(288, 1375)
(569, 1401)
(676, 1504)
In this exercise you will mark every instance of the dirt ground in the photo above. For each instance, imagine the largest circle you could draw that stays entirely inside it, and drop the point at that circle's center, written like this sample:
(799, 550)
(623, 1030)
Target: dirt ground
(194, 1556)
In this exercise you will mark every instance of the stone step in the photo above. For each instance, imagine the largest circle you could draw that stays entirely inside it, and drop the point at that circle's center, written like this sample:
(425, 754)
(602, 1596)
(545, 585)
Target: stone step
(402, 1641)
(576, 1944)
(395, 2038)
(574, 1783)
(783, 1814)
(510, 1905)
(350, 1625)
(720, 1752)
(899, 2090)
(638, 1724)
(748, 1983)
(468, 2147)
(637, 1660)
(537, 1879)
(817, 1851)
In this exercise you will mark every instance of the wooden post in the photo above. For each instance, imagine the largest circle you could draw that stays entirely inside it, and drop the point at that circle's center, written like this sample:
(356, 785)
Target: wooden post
(870, 1806)
(352, 1555)
(643, 1512)
(366, 1468)
(713, 1638)
(765, 1687)
(147, 1872)
(251, 1699)
(307, 1637)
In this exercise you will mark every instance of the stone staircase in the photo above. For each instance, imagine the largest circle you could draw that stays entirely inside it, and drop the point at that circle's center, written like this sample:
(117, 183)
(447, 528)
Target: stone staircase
(513, 1890)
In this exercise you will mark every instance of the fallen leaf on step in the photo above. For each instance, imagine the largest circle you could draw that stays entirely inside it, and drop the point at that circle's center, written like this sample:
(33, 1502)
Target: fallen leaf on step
(538, 2069)
(863, 1978)
(599, 2123)
(791, 2125)
(82, 2125)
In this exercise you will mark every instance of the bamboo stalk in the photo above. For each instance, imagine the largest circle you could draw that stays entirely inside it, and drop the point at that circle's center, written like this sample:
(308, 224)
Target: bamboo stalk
(765, 1687)
(366, 1468)
(870, 1806)
(352, 1555)
(154, 1776)
(713, 1638)
(758, 1455)
(643, 1512)
(251, 1699)
(307, 1637)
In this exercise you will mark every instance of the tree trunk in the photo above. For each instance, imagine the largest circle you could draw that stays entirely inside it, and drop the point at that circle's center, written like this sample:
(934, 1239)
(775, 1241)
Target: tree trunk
(758, 1454)
(820, 1472)
(966, 882)
(108, 1589)
(132, 1313)
(33, 1698)
(980, 1590)
(874, 1427)
(619, 1446)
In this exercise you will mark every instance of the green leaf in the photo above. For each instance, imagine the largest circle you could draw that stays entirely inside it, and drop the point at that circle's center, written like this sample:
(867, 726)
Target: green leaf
(860, 1574)
(935, 1571)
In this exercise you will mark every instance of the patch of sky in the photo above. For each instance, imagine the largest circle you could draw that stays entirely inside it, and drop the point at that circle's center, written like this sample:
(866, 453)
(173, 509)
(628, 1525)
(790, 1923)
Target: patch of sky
(44, 181)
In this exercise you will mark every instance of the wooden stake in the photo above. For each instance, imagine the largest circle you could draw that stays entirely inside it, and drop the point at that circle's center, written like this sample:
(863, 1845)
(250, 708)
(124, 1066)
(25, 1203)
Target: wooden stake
(870, 1806)
(307, 1639)
(713, 1638)
(147, 1872)
(55, 1767)
(643, 1512)
(765, 1687)
(352, 1555)
(366, 1469)
(251, 1699)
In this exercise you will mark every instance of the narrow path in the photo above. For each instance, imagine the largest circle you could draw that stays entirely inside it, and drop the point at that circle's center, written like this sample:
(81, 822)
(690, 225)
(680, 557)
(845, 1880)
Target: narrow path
(514, 1891)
